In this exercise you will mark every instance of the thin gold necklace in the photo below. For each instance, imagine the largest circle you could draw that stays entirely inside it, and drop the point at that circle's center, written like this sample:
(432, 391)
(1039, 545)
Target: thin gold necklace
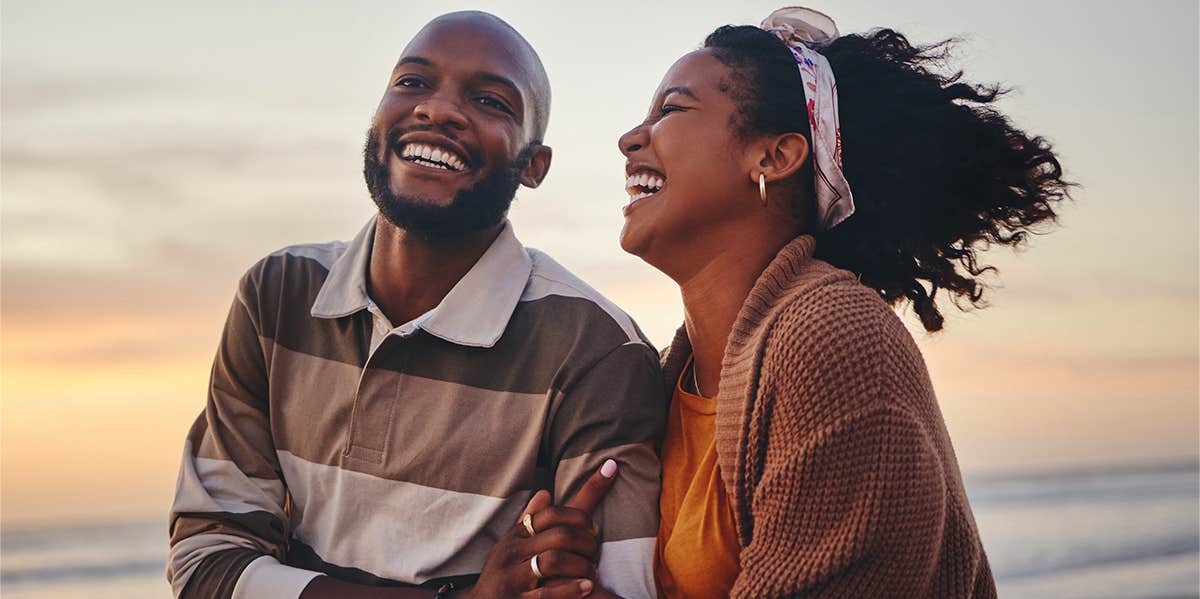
(696, 380)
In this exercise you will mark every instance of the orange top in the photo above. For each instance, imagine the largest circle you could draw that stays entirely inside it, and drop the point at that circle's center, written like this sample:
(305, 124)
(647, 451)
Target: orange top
(697, 551)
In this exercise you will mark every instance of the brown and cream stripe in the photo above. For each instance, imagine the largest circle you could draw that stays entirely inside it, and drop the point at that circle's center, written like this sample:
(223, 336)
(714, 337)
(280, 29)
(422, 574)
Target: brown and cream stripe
(405, 464)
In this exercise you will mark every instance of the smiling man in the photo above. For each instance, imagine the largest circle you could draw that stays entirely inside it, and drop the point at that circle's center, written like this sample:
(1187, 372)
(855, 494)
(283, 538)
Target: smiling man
(381, 410)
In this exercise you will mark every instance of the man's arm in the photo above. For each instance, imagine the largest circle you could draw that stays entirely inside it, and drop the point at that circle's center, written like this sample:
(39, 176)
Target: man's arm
(229, 526)
(616, 410)
(229, 522)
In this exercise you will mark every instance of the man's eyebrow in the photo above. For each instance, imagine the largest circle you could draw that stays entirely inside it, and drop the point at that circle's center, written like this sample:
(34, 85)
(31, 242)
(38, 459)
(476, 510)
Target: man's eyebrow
(486, 76)
(421, 60)
(502, 80)
(679, 89)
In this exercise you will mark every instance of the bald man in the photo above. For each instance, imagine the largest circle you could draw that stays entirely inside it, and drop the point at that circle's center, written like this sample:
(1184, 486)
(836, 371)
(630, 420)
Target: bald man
(380, 411)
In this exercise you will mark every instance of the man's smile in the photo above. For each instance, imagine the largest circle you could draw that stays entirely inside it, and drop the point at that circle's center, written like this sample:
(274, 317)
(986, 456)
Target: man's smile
(432, 156)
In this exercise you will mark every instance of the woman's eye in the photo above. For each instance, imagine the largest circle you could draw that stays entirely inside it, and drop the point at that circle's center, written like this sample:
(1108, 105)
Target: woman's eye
(669, 108)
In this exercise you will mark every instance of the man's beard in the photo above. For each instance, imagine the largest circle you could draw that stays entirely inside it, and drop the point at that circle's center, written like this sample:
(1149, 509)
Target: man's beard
(473, 209)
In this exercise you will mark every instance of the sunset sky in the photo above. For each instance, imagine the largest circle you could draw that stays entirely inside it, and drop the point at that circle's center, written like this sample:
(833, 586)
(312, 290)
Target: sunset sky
(152, 152)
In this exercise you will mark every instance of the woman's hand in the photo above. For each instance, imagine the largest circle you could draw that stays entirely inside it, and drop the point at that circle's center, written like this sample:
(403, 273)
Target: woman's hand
(565, 542)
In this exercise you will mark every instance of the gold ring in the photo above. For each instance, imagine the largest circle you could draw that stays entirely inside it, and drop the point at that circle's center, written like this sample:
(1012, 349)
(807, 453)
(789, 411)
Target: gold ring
(533, 565)
(527, 520)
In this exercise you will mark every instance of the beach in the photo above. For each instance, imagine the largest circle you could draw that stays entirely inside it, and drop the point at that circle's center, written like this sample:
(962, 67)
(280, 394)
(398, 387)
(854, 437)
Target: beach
(1121, 533)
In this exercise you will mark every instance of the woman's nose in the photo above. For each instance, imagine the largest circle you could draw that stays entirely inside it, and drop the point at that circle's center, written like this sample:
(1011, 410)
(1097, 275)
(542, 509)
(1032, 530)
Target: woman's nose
(633, 140)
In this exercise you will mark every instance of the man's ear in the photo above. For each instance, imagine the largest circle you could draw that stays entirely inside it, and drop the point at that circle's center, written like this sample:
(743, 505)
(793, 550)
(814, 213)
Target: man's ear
(539, 165)
(781, 156)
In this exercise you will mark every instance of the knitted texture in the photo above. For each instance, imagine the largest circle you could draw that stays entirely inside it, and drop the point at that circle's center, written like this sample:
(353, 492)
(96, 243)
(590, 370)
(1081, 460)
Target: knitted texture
(832, 448)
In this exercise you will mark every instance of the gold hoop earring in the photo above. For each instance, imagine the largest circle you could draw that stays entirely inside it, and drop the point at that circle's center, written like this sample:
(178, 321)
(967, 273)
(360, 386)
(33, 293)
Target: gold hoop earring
(762, 187)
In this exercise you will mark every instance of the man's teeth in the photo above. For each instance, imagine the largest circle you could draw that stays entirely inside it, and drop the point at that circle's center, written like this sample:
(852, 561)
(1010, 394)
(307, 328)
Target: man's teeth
(428, 155)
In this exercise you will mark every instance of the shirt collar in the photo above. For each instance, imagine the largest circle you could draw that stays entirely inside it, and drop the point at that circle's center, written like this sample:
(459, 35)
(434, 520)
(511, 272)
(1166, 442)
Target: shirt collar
(474, 313)
(345, 289)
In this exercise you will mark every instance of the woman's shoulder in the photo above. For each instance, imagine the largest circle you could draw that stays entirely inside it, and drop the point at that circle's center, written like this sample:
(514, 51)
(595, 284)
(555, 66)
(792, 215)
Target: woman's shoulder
(832, 309)
(837, 341)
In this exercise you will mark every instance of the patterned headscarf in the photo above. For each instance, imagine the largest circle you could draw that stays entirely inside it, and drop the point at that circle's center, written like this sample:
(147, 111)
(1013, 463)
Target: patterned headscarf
(804, 31)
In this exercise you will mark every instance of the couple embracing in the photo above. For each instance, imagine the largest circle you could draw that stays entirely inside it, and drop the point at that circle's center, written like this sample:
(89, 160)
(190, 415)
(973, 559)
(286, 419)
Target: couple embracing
(434, 410)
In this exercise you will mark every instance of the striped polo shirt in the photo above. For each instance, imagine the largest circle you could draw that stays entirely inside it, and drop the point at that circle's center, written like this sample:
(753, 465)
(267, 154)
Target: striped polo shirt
(334, 443)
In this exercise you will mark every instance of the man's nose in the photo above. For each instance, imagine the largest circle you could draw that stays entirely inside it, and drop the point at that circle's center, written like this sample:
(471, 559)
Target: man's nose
(440, 111)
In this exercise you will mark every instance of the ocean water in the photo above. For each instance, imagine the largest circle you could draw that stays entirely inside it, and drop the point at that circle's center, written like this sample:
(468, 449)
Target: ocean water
(1097, 534)
(1119, 534)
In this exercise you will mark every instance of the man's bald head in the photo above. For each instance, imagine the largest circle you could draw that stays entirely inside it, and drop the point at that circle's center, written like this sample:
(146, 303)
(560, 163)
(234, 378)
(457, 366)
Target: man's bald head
(459, 128)
(527, 69)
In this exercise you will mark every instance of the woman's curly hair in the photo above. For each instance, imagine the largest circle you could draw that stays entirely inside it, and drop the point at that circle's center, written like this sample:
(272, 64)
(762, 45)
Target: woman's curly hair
(937, 173)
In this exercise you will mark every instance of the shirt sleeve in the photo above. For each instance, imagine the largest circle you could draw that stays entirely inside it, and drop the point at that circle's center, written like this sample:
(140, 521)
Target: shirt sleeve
(616, 410)
(855, 512)
(229, 507)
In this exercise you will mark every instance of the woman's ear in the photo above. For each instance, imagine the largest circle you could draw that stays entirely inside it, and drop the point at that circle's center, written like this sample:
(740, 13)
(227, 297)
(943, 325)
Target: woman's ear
(781, 156)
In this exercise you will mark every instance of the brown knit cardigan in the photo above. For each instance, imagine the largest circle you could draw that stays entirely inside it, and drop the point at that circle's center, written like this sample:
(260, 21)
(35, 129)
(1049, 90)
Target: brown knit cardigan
(832, 448)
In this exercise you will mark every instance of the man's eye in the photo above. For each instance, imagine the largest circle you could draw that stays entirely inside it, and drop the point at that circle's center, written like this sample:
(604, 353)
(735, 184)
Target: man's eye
(409, 82)
(669, 108)
(494, 103)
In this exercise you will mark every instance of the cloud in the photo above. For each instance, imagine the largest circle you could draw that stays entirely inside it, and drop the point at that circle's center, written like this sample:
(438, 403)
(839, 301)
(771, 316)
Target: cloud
(27, 93)
(58, 296)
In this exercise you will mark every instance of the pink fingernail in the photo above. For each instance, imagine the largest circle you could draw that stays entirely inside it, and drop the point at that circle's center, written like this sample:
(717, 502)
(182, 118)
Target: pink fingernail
(609, 469)
(585, 586)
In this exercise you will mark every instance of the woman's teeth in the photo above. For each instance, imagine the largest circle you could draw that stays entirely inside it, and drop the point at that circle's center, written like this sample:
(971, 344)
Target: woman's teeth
(643, 185)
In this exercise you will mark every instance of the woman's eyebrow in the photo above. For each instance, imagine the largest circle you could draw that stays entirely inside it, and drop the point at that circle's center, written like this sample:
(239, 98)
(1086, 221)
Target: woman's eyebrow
(680, 89)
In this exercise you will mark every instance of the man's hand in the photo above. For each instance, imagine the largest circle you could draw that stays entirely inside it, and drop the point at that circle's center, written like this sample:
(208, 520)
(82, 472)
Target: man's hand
(565, 542)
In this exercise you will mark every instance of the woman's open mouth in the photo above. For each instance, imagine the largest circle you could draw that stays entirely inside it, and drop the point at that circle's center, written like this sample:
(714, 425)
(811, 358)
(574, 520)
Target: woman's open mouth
(643, 185)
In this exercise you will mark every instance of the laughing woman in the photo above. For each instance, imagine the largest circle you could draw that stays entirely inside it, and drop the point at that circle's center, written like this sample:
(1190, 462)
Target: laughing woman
(797, 185)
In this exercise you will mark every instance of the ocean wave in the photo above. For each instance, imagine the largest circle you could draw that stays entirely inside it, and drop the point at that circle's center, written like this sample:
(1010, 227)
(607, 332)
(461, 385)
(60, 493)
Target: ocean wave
(121, 569)
(1032, 526)
(1096, 484)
